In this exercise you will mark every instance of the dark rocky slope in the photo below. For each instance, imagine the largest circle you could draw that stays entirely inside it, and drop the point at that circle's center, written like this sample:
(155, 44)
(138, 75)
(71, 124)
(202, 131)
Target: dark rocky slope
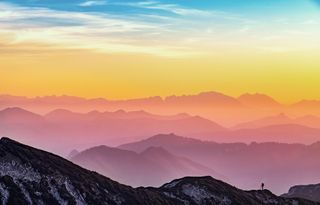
(31, 176)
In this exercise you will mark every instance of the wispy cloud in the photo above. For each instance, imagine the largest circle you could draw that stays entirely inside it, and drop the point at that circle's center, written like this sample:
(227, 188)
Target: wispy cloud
(93, 3)
(172, 8)
(178, 31)
(96, 31)
(141, 32)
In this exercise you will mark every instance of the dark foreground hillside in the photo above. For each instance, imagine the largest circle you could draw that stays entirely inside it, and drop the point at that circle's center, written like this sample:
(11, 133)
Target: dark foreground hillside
(32, 176)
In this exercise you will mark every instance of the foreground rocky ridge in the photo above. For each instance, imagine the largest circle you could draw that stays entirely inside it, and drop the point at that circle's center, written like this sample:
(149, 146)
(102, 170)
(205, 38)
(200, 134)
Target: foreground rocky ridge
(31, 176)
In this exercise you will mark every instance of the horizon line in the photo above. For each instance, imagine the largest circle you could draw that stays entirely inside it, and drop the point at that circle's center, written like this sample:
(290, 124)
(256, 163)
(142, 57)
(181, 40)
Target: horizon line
(163, 98)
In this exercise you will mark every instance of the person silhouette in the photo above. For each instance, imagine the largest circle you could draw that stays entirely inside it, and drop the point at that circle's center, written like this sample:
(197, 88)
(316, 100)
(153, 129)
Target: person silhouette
(262, 186)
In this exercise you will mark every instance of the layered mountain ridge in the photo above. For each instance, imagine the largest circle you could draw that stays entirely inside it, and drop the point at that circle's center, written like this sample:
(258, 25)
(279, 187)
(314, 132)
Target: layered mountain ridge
(224, 109)
(32, 176)
(114, 128)
(279, 165)
(152, 167)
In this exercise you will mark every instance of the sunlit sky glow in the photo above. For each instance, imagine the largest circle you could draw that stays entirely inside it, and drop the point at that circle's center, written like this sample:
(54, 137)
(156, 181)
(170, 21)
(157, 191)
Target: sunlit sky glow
(124, 49)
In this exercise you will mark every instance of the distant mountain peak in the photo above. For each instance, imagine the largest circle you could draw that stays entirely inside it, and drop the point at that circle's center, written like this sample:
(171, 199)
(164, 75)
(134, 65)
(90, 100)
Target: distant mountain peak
(307, 103)
(212, 98)
(257, 99)
(16, 114)
(59, 111)
(169, 136)
(120, 111)
(212, 93)
(14, 110)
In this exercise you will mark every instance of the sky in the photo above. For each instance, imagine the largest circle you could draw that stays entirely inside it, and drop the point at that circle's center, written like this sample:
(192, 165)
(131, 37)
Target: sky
(127, 49)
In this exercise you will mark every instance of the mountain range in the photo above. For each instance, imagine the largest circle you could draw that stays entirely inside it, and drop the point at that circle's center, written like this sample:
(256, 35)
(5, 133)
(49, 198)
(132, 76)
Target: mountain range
(114, 128)
(278, 165)
(152, 167)
(96, 128)
(221, 108)
(32, 176)
(281, 119)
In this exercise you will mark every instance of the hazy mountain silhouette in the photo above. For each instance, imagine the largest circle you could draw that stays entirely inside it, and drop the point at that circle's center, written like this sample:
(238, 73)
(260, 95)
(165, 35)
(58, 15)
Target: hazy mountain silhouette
(305, 107)
(204, 98)
(307, 103)
(221, 108)
(114, 128)
(210, 99)
(308, 120)
(285, 133)
(266, 121)
(215, 106)
(17, 115)
(73, 153)
(63, 114)
(258, 100)
(194, 123)
(152, 167)
(31, 176)
(278, 165)
(94, 128)
(310, 192)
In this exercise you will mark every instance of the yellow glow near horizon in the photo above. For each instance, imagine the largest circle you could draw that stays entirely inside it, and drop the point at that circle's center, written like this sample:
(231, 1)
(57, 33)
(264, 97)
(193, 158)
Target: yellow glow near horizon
(287, 77)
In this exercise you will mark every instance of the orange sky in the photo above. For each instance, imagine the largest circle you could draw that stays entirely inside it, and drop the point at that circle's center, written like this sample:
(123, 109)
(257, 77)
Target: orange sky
(46, 50)
(287, 77)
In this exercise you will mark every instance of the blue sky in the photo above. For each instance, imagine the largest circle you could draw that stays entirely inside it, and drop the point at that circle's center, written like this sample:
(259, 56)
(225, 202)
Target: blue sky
(176, 27)
(262, 7)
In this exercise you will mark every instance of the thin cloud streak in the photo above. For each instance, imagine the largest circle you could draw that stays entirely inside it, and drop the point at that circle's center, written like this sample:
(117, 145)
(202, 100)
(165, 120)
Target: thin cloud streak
(172, 8)
(89, 30)
(98, 31)
(92, 3)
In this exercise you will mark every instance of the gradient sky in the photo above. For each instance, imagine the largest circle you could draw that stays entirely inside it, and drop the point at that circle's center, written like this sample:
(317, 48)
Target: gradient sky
(126, 49)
